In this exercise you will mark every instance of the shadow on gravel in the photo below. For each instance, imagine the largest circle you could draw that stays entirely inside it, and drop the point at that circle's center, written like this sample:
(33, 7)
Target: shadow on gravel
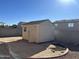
(71, 46)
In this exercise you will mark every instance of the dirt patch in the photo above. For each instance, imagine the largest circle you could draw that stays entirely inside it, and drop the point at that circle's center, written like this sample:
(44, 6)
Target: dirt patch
(10, 39)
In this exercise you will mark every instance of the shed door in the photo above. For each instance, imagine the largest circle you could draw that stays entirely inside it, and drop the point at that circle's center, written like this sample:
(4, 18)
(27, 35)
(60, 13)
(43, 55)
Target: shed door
(32, 33)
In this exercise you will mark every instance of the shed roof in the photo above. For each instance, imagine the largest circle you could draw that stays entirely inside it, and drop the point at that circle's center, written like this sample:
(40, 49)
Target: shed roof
(36, 22)
(67, 21)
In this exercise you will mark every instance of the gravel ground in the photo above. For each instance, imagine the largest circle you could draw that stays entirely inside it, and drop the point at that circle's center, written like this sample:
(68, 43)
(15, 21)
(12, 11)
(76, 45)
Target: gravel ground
(73, 53)
(25, 49)
(70, 55)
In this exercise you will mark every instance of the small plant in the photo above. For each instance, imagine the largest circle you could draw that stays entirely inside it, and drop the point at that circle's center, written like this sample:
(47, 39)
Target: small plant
(53, 51)
(62, 51)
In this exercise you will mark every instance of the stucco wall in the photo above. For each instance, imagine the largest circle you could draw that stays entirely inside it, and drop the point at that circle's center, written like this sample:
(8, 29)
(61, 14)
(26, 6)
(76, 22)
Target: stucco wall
(65, 34)
(10, 31)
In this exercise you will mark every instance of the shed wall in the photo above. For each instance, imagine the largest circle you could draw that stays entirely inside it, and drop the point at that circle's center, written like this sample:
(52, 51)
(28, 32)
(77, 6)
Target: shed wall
(24, 34)
(46, 32)
(31, 34)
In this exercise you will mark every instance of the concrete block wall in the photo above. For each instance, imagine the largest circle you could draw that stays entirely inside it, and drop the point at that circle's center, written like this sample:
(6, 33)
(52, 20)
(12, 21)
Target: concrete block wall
(10, 31)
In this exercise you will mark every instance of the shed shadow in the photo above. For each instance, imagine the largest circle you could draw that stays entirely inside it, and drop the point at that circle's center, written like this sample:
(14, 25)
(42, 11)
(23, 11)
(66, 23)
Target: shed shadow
(25, 49)
(71, 46)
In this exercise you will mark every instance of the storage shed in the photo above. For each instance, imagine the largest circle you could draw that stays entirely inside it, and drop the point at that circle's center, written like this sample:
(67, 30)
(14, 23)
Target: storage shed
(38, 31)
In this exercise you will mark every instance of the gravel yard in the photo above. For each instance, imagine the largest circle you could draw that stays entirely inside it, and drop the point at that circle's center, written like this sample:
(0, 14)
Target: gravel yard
(32, 50)
(70, 55)
(21, 47)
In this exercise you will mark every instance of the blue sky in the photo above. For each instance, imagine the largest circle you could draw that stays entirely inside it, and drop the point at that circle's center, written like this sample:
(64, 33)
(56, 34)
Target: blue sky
(14, 11)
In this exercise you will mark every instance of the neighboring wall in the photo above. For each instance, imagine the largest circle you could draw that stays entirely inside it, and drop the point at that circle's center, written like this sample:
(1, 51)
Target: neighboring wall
(7, 31)
(67, 34)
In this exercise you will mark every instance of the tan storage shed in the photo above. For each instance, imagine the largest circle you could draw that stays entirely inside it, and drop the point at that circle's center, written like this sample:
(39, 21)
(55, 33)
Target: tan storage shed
(38, 31)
